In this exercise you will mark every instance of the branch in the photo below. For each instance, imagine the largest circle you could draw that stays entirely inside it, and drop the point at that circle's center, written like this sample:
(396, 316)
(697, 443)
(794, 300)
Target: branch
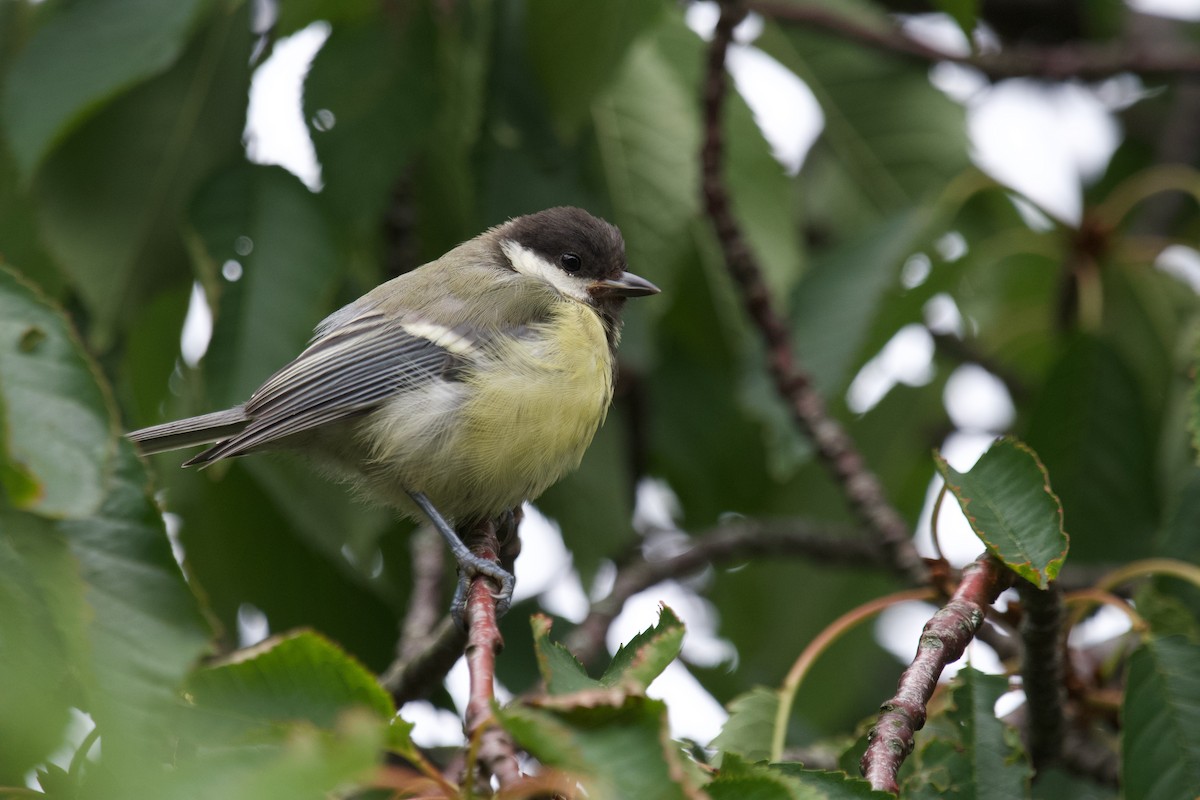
(496, 753)
(943, 641)
(1042, 671)
(837, 450)
(1062, 62)
(731, 542)
(416, 675)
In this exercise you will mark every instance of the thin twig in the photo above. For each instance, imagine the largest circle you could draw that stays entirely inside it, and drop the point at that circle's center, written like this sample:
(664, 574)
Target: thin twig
(425, 600)
(417, 675)
(838, 451)
(496, 753)
(731, 542)
(1060, 62)
(1042, 668)
(943, 641)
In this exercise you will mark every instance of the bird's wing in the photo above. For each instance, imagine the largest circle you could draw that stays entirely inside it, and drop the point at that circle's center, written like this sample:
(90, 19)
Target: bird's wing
(347, 370)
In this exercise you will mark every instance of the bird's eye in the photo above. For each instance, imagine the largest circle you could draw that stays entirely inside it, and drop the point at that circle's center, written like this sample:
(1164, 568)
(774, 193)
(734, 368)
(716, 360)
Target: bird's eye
(570, 262)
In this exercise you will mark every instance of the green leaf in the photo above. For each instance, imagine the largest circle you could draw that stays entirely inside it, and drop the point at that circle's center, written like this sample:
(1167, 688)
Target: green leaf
(739, 779)
(56, 450)
(560, 670)
(1160, 741)
(890, 138)
(841, 295)
(264, 219)
(81, 58)
(1194, 410)
(648, 135)
(289, 678)
(309, 764)
(1007, 499)
(112, 197)
(615, 743)
(748, 731)
(597, 32)
(964, 12)
(984, 759)
(643, 658)
(1091, 430)
(366, 132)
(42, 640)
(147, 627)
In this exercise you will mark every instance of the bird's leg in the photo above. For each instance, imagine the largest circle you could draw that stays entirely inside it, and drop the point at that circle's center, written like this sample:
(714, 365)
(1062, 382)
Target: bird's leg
(469, 564)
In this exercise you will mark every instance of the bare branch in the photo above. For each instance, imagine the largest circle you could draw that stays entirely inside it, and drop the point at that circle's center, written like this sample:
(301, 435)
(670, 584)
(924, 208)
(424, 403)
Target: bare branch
(732, 542)
(1061, 62)
(943, 640)
(496, 753)
(837, 450)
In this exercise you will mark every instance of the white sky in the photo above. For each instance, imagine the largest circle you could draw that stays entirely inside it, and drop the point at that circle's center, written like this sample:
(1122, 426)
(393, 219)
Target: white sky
(1045, 142)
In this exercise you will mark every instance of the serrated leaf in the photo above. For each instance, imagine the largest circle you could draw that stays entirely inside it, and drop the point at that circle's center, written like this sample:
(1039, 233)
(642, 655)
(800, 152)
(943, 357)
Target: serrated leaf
(263, 218)
(831, 785)
(740, 779)
(751, 724)
(560, 670)
(297, 677)
(1161, 736)
(617, 744)
(81, 58)
(643, 658)
(985, 759)
(1006, 497)
(57, 446)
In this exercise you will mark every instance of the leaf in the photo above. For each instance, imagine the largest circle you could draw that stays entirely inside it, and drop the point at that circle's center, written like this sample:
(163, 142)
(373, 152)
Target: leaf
(264, 219)
(890, 138)
(985, 759)
(112, 197)
(1194, 410)
(1007, 499)
(1091, 430)
(309, 764)
(839, 298)
(147, 627)
(1160, 740)
(366, 132)
(617, 744)
(748, 731)
(560, 670)
(597, 33)
(295, 677)
(739, 779)
(963, 12)
(648, 134)
(56, 450)
(42, 640)
(82, 57)
(643, 658)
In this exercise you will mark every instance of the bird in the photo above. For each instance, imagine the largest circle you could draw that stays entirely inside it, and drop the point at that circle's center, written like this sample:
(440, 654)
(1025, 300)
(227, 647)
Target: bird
(456, 391)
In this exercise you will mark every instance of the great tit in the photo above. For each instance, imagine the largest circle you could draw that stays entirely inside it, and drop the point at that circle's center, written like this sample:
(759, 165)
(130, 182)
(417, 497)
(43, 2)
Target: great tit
(457, 390)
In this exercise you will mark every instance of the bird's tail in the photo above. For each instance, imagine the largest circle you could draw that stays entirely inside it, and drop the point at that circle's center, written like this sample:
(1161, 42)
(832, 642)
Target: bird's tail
(203, 429)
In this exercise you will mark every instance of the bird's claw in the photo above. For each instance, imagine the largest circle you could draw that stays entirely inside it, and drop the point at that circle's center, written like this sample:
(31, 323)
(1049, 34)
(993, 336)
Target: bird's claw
(468, 571)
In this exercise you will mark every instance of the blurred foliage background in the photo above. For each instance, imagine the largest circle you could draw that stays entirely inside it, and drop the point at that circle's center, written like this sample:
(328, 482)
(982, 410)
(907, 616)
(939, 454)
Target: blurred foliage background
(125, 184)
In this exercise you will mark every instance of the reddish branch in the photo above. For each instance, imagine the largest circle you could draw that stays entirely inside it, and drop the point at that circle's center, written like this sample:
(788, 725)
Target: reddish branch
(837, 450)
(484, 642)
(943, 641)
(1061, 62)
(1042, 670)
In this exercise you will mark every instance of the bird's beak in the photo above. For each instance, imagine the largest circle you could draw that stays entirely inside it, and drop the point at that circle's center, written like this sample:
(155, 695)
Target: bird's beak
(628, 285)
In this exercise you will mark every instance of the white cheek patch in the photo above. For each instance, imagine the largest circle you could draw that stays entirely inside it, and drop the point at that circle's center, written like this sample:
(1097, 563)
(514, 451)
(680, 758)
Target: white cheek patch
(529, 263)
(441, 336)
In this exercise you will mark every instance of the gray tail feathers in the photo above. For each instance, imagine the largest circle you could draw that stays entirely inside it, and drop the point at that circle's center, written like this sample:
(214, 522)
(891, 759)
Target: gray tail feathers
(191, 431)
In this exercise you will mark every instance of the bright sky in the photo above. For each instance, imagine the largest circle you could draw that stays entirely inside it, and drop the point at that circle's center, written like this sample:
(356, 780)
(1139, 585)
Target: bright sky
(1045, 142)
